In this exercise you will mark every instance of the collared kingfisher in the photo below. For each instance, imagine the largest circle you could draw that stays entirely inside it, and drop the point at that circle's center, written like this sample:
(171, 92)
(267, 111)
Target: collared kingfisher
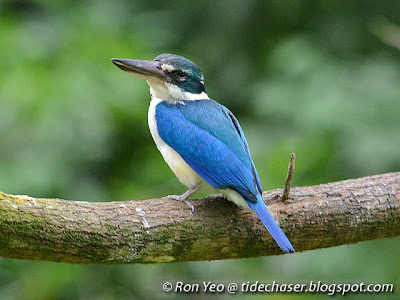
(200, 139)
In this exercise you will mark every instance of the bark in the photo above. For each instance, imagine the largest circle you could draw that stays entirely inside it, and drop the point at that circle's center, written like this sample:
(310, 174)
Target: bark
(158, 230)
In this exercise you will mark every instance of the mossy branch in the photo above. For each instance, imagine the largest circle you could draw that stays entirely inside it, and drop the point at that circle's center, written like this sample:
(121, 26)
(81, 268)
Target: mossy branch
(159, 230)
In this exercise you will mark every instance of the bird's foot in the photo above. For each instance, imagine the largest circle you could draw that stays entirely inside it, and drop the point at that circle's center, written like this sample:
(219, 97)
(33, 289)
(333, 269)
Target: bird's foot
(216, 196)
(184, 197)
(180, 198)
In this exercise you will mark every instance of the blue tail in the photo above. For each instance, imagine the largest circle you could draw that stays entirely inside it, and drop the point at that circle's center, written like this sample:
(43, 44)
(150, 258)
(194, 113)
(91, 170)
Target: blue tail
(262, 211)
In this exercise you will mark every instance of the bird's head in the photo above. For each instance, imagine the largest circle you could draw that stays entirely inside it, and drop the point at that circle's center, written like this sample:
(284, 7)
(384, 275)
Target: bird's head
(170, 76)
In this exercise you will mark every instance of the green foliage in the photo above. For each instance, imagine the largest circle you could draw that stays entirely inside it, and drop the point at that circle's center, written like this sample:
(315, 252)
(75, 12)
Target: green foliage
(301, 76)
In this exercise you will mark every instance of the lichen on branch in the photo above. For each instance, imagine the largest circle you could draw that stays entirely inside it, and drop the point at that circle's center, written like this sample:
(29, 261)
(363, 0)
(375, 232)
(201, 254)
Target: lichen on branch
(157, 230)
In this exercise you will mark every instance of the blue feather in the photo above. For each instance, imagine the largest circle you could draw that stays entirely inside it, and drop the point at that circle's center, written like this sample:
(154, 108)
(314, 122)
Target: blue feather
(210, 140)
(262, 211)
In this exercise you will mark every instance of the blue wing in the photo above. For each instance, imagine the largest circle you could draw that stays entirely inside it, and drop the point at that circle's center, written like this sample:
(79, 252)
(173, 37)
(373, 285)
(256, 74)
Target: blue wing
(209, 138)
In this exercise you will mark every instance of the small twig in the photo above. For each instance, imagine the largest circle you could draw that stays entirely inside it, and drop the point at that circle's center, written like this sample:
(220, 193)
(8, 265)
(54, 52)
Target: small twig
(289, 177)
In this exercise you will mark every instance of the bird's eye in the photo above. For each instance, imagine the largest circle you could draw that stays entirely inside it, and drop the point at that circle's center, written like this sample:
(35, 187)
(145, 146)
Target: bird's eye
(180, 75)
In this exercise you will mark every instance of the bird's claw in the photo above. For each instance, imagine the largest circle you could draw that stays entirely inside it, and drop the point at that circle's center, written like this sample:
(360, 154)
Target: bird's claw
(180, 198)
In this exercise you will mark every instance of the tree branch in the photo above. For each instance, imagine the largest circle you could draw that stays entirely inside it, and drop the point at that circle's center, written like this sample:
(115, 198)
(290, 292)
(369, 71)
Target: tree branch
(158, 230)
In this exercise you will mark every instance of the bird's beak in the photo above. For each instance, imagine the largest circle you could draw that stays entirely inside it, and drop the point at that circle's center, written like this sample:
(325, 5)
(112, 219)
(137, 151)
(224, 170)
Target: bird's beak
(140, 68)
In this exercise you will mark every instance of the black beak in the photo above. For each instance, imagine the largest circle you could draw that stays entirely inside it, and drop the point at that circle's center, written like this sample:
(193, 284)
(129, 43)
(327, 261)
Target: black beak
(146, 68)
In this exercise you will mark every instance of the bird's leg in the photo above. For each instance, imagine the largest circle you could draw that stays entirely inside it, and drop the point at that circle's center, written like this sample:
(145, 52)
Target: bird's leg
(184, 197)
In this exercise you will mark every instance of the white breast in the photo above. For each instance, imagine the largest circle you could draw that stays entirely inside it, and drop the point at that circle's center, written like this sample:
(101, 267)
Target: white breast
(182, 170)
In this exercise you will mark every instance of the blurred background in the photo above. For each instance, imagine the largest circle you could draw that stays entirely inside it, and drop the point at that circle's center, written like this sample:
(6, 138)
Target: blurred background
(318, 78)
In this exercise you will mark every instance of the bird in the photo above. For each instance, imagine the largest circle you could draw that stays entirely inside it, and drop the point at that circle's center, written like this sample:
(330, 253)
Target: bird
(200, 139)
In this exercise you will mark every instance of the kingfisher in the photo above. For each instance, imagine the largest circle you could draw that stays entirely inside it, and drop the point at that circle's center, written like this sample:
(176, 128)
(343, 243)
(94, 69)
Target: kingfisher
(200, 139)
